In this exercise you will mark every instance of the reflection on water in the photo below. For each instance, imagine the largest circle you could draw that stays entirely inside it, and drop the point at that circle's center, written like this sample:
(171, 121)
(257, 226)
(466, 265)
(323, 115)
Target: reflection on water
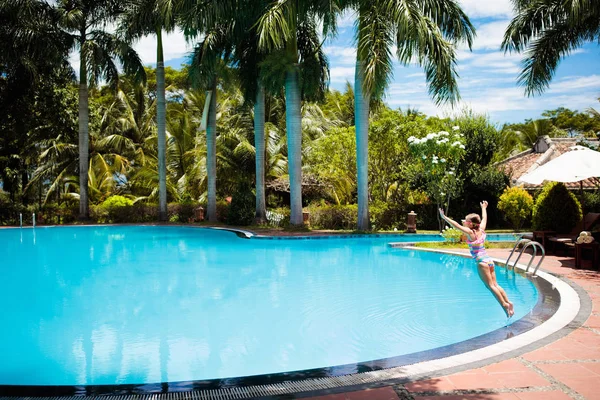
(113, 305)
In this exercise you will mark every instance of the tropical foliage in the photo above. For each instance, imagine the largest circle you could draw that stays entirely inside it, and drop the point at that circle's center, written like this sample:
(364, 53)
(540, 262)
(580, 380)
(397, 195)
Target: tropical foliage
(247, 128)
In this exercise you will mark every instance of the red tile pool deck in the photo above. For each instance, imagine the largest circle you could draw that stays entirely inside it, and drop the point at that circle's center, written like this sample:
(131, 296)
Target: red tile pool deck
(568, 368)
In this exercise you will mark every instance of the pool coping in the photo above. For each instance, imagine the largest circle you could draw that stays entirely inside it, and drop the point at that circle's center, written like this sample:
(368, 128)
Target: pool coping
(568, 316)
(247, 234)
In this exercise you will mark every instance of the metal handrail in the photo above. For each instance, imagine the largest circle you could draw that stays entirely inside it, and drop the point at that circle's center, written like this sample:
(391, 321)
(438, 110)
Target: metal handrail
(527, 243)
(541, 259)
(514, 248)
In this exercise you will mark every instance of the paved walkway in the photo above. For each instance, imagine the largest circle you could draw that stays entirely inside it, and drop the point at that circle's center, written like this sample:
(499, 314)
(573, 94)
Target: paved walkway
(568, 368)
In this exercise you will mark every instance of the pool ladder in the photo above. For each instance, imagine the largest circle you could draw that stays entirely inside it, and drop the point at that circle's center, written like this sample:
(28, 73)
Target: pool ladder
(21, 219)
(527, 243)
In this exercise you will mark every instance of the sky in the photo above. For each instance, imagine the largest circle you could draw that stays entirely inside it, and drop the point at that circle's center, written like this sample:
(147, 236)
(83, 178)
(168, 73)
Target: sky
(487, 77)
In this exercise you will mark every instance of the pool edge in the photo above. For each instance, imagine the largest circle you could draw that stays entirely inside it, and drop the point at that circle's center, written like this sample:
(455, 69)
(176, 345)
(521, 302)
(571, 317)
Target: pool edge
(570, 318)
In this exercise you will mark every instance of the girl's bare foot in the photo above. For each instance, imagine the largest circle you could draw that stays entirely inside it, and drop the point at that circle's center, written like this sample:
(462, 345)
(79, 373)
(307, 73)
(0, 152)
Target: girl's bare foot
(508, 309)
(511, 309)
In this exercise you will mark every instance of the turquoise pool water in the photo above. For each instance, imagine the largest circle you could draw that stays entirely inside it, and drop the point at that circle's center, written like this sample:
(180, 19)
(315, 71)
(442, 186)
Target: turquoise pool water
(127, 304)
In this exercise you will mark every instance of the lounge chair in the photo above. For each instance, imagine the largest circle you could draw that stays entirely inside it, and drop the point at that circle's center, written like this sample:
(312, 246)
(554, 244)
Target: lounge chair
(586, 224)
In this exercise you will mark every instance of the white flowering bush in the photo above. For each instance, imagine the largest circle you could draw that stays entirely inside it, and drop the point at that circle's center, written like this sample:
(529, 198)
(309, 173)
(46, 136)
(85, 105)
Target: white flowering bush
(440, 155)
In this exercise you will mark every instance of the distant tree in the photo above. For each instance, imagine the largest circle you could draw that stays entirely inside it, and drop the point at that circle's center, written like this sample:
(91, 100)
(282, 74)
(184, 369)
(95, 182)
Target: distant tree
(574, 122)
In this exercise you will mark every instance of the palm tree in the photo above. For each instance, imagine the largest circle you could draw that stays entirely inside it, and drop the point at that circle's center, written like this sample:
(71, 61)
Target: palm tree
(425, 31)
(85, 21)
(209, 63)
(214, 21)
(549, 31)
(288, 29)
(107, 169)
(128, 124)
(144, 17)
(248, 60)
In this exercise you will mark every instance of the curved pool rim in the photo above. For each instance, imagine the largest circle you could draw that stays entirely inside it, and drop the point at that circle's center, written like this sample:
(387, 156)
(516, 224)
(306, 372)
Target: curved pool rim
(559, 305)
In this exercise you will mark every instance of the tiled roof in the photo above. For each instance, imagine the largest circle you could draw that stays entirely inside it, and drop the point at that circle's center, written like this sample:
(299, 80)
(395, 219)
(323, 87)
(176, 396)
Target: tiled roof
(520, 164)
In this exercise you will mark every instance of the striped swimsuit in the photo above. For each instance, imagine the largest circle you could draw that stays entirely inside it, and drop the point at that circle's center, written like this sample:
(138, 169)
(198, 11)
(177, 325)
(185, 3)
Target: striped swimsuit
(478, 250)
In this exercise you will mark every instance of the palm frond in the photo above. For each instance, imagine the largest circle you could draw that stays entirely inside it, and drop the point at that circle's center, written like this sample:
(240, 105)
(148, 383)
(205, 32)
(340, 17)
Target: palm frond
(375, 40)
(276, 26)
(545, 53)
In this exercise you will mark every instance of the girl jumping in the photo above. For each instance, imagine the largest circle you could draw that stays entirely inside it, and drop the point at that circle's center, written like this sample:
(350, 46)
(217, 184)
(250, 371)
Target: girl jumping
(474, 227)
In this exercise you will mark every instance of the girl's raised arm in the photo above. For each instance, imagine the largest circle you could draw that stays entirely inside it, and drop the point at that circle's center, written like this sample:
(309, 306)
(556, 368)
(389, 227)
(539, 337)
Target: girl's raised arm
(455, 224)
(483, 224)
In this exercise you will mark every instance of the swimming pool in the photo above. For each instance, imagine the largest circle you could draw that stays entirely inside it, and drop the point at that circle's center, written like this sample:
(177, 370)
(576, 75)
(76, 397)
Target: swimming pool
(111, 305)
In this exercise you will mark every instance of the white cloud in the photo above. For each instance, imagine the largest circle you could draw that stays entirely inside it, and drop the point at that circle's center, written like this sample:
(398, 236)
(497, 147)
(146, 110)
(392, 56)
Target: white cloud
(490, 35)
(74, 61)
(576, 93)
(489, 8)
(174, 46)
(482, 83)
(491, 62)
(505, 69)
(341, 74)
(341, 55)
(347, 19)
(399, 90)
(575, 84)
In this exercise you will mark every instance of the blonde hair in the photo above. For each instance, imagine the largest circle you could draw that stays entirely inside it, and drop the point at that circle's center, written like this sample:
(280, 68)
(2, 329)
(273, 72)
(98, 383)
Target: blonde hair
(475, 220)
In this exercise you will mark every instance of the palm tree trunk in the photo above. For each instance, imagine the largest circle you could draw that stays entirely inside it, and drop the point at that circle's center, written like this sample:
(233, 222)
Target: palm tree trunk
(293, 125)
(259, 145)
(84, 212)
(161, 126)
(211, 153)
(361, 111)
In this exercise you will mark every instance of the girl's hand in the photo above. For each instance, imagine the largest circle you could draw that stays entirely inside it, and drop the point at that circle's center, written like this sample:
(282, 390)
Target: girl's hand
(441, 213)
(483, 204)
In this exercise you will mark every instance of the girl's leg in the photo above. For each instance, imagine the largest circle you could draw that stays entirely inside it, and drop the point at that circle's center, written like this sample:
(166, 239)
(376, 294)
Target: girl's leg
(511, 309)
(486, 276)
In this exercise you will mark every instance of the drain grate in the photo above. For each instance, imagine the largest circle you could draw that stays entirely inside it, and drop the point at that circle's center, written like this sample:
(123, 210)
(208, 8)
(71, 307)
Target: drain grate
(249, 392)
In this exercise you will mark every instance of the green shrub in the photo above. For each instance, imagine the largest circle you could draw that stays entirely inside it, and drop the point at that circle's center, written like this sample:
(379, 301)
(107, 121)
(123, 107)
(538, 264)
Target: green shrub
(334, 217)
(452, 235)
(117, 208)
(243, 205)
(427, 216)
(592, 201)
(49, 213)
(145, 212)
(99, 214)
(385, 216)
(517, 205)
(556, 209)
(222, 210)
(9, 211)
(68, 212)
(182, 212)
